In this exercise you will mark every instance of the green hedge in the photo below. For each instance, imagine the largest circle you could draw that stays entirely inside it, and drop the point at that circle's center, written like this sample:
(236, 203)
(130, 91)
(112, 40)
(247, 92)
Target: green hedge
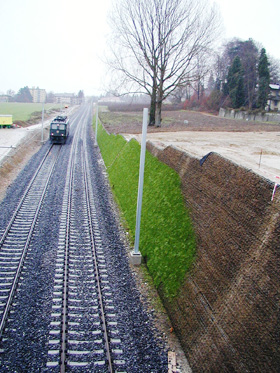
(167, 239)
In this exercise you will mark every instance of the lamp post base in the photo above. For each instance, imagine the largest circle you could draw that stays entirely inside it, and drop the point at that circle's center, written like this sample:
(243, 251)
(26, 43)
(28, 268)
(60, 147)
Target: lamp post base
(135, 259)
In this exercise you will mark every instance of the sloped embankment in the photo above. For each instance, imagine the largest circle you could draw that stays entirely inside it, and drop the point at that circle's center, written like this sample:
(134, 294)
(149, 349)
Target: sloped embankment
(167, 240)
(227, 311)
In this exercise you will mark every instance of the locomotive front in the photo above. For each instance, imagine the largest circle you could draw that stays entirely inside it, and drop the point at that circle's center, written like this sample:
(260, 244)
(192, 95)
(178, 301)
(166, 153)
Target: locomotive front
(59, 130)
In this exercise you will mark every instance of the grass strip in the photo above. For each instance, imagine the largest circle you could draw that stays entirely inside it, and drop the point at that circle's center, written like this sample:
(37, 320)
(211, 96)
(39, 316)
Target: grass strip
(23, 111)
(167, 239)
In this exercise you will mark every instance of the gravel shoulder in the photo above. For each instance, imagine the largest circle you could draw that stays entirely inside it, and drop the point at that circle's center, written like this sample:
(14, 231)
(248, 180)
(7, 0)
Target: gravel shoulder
(23, 147)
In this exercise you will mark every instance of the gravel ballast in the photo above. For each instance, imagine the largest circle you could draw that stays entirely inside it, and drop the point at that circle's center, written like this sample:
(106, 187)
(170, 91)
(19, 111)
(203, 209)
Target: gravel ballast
(25, 340)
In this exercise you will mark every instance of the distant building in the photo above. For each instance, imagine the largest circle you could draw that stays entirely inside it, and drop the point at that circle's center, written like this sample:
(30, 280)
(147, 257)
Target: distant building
(273, 102)
(38, 95)
(4, 98)
(67, 98)
(111, 100)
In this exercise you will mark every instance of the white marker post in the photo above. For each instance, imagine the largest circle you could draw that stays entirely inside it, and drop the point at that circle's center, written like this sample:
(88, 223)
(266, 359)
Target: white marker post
(136, 256)
(96, 125)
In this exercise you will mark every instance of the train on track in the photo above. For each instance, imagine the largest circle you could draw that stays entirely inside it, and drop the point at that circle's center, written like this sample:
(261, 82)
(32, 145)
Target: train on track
(59, 129)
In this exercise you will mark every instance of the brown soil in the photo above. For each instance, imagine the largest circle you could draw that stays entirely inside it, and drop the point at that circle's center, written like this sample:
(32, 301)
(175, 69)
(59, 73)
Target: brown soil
(172, 121)
(12, 165)
(35, 118)
(225, 313)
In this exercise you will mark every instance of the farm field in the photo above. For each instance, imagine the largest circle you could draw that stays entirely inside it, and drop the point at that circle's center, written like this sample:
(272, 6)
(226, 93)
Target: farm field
(253, 145)
(24, 111)
(180, 120)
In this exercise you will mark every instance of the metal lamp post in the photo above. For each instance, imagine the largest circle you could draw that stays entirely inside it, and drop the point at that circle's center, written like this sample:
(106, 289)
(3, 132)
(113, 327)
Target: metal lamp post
(136, 256)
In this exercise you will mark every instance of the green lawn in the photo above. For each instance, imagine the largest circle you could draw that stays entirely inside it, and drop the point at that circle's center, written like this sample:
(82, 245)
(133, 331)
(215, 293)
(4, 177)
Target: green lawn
(167, 239)
(23, 111)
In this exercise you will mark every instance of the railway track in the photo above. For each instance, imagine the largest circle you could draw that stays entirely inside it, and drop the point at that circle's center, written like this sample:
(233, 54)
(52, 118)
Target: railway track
(83, 328)
(67, 300)
(15, 240)
(83, 332)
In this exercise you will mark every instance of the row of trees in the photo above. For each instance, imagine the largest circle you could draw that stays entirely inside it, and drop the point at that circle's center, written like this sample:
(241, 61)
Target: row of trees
(165, 48)
(24, 95)
(243, 74)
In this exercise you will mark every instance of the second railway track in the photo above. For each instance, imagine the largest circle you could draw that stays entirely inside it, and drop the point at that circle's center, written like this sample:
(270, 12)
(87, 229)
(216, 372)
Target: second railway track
(15, 240)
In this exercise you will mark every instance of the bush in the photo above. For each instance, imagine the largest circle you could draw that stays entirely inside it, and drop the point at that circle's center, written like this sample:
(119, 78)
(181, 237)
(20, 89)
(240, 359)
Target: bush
(214, 101)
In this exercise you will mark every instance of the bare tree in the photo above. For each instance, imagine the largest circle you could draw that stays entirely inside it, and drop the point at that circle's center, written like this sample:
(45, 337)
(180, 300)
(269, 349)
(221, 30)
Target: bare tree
(178, 95)
(202, 70)
(156, 44)
(274, 69)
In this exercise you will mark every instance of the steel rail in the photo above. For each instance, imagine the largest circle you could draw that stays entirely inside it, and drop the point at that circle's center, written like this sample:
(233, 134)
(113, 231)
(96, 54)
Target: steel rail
(4, 235)
(63, 352)
(65, 282)
(102, 308)
(21, 261)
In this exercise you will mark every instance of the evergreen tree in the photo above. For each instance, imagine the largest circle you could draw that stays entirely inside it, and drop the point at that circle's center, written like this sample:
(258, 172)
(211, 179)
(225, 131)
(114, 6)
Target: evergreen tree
(248, 54)
(24, 95)
(50, 97)
(264, 79)
(249, 60)
(235, 84)
(81, 94)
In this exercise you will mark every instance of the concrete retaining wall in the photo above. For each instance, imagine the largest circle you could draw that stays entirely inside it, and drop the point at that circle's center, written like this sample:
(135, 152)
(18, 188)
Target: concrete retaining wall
(243, 115)
(227, 311)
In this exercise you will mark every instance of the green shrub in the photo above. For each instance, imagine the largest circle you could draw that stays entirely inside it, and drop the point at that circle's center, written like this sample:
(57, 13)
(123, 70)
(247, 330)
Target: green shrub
(167, 240)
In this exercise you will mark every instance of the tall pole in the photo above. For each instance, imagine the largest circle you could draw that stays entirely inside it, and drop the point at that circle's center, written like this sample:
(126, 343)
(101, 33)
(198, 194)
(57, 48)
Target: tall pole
(141, 180)
(43, 110)
(96, 125)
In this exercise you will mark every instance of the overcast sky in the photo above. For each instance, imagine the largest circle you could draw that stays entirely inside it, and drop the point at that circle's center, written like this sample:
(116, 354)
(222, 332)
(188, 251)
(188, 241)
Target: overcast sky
(57, 44)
